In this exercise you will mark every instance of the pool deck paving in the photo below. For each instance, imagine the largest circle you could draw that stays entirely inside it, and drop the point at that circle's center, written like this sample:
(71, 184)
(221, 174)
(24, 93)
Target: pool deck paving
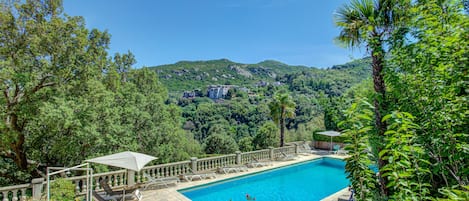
(172, 194)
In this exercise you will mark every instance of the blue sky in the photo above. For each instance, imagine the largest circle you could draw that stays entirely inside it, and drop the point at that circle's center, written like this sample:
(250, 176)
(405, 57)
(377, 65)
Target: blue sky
(297, 32)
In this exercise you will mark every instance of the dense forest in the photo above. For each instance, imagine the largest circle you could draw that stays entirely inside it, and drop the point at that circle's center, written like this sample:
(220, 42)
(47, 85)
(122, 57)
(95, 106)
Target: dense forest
(403, 109)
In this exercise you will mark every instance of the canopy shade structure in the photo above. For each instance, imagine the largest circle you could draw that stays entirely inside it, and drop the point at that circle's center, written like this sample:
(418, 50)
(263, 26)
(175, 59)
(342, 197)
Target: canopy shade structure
(127, 159)
(330, 133)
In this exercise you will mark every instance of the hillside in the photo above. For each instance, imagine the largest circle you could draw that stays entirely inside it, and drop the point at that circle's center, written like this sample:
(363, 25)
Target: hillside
(190, 75)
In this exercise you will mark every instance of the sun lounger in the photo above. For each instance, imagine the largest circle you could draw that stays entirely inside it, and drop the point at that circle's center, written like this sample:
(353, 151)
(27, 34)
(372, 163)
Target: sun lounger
(100, 197)
(135, 195)
(256, 163)
(286, 157)
(104, 184)
(314, 151)
(198, 175)
(165, 181)
(341, 151)
(233, 169)
(335, 148)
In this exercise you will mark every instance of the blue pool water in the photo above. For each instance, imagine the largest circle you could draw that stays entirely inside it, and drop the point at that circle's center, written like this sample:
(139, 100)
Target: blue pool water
(309, 181)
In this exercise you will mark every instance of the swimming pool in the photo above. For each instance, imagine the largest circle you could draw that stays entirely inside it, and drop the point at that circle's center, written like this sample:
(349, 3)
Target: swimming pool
(308, 181)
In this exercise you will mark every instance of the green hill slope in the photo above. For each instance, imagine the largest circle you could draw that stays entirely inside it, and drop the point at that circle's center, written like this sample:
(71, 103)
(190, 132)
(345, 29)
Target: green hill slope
(190, 75)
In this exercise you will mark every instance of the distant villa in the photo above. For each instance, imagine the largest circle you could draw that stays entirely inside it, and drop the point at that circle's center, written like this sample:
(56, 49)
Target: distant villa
(218, 91)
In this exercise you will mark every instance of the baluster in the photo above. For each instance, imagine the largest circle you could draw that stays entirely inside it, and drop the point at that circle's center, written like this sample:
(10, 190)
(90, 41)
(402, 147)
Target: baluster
(139, 177)
(5, 196)
(23, 194)
(15, 195)
(77, 187)
(85, 184)
(96, 185)
(109, 182)
(121, 179)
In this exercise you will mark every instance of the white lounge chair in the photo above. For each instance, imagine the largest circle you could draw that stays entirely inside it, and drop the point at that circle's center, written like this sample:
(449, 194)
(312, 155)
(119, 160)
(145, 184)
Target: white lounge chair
(256, 163)
(164, 181)
(198, 175)
(233, 169)
(314, 151)
(341, 151)
(286, 157)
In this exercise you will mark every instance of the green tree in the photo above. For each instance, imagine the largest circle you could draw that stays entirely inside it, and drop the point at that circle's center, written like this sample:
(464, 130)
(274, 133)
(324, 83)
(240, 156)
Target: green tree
(40, 50)
(430, 82)
(372, 22)
(266, 136)
(245, 144)
(357, 125)
(220, 144)
(281, 108)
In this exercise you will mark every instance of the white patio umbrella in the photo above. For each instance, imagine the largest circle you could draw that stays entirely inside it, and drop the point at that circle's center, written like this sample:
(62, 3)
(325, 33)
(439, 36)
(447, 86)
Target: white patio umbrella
(330, 133)
(127, 159)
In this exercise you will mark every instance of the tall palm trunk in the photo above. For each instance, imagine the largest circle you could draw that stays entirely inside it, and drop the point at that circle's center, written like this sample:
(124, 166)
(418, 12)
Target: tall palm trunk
(377, 55)
(282, 131)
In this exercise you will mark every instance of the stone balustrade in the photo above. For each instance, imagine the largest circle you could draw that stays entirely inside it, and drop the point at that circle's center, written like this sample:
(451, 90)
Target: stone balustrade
(17, 192)
(288, 150)
(115, 179)
(164, 170)
(260, 155)
(212, 163)
(121, 178)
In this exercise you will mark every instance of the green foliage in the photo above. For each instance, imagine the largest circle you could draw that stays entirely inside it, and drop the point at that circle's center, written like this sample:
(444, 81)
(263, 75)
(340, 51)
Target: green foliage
(62, 90)
(220, 144)
(62, 189)
(190, 75)
(431, 84)
(426, 75)
(406, 170)
(267, 136)
(357, 126)
(245, 144)
(282, 107)
(455, 194)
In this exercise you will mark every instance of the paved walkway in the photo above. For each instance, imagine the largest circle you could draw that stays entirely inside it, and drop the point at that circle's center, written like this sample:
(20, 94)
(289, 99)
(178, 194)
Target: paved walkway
(171, 194)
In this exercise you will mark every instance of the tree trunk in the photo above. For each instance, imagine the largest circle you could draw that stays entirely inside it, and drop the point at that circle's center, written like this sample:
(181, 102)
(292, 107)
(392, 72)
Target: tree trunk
(282, 131)
(20, 158)
(377, 55)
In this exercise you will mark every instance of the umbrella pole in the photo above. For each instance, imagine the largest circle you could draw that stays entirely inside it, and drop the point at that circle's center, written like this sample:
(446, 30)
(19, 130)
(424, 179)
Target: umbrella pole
(331, 143)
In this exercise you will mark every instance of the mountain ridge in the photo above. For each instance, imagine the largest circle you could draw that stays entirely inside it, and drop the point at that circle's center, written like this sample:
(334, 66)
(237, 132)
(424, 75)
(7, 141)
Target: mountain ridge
(190, 75)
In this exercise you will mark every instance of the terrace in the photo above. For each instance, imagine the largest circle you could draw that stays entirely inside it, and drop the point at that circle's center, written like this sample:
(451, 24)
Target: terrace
(119, 179)
(172, 194)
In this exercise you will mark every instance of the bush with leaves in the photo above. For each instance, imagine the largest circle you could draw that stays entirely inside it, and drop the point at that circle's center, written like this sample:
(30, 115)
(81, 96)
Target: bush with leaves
(406, 172)
(357, 127)
(62, 190)
(220, 144)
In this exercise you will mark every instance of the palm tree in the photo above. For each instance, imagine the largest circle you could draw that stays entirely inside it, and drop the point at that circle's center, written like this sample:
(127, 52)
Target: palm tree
(371, 22)
(282, 107)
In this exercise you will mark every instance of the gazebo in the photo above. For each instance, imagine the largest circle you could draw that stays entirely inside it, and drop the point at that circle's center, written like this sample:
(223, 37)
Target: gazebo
(331, 134)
